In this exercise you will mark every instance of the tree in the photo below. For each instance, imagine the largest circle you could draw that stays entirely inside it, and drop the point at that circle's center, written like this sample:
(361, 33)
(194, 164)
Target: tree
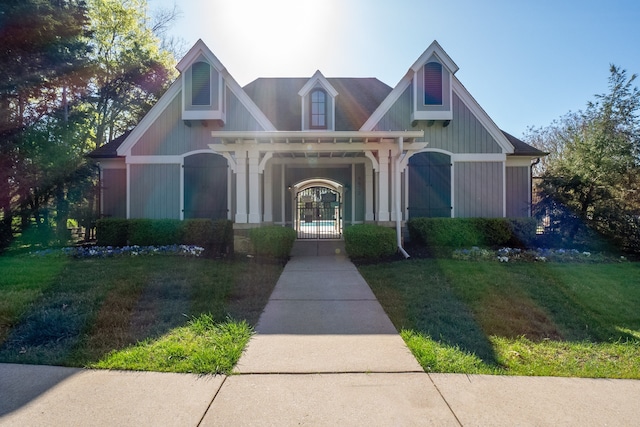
(131, 70)
(72, 77)
(42, 69)
(592, 178)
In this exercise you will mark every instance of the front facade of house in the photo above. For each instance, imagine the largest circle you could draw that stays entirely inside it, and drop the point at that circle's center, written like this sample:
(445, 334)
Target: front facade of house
(316, 154)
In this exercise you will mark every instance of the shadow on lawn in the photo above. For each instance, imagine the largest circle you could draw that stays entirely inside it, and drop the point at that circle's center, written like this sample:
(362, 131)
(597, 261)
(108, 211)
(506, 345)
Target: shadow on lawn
(431, 309)
(104, 305)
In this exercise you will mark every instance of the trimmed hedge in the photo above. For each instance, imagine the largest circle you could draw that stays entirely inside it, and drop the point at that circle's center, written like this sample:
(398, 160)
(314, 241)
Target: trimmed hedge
(155, 232)
(466, 232)
(273, 241)
(368, 241)
(112, 232)
(216, 237)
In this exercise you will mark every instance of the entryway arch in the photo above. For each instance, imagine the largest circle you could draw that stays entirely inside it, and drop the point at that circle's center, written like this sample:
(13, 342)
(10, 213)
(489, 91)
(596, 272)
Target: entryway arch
(318, 208)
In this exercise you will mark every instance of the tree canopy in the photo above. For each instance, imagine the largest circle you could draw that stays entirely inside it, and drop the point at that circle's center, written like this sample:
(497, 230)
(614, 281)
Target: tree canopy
(590, 181)
(73, 75)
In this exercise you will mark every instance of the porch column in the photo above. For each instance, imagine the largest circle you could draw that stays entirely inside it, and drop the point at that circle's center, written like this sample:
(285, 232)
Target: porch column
(241, 186)
(394, 186)
(254, 187)
(368, 192)
(383, 185)
(268, 193)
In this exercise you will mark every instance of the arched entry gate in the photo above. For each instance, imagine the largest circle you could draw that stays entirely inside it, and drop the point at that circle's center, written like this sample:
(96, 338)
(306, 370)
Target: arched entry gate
(318, 213)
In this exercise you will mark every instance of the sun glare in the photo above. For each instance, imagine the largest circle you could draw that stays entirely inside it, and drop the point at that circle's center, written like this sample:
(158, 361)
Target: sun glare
(277, 37)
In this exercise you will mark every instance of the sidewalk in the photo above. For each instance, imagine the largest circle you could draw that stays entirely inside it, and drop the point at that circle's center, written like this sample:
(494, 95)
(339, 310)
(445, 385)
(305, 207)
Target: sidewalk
(325, 353)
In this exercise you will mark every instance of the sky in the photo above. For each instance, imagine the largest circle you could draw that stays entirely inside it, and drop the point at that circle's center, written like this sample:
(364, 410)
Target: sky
(526, 62)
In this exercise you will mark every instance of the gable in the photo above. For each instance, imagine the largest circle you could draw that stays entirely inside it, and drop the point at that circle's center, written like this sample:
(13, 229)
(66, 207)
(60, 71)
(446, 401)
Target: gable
(168, 134)
(279, 100)
(464, 134)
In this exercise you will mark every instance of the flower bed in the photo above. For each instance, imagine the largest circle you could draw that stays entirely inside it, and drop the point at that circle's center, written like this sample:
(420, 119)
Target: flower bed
(533, 255)
(110, 251)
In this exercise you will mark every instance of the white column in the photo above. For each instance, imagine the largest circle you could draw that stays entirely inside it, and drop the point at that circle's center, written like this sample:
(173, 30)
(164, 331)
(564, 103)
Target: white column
(383, 185)
(368, 192)
(254, 187)
(394, 194)
(241, 186)
(268, 193)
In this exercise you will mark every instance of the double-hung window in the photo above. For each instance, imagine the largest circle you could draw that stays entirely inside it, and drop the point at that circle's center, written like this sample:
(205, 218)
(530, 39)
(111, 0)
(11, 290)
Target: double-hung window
(318, 109)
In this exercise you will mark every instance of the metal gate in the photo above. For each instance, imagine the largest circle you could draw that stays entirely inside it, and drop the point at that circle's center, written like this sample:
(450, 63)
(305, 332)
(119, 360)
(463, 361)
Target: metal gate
(318, 213)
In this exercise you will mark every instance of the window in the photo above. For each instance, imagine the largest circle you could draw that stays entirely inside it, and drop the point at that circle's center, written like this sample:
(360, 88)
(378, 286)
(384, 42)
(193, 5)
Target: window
(318, 109)
(432, 84)
(200, 84)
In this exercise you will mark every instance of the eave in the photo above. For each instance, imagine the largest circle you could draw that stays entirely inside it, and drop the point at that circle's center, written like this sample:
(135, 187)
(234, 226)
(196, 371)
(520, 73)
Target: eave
(316, 136)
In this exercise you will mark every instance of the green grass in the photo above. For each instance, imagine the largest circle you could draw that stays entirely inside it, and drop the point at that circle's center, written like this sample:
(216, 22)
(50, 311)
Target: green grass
(521, 319)
(23, 281)
(146, 313)
(202, 346)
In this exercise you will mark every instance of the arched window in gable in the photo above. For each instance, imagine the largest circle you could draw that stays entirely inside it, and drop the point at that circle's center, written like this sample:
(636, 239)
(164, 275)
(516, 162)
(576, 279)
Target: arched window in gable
(318, 110)
(200, 84)
(432, 83)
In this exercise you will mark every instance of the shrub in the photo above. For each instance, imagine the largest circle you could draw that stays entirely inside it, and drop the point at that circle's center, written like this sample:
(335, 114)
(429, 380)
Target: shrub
(112, 232)
(523, 232)
(368, 241)
(155, 232)
(215, 236)
(198, 232)
(273, 241)
(465, 232)
(222, 242)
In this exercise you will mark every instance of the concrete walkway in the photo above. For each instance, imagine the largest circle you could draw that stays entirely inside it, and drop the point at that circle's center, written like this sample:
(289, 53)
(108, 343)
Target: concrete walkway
(325, 353)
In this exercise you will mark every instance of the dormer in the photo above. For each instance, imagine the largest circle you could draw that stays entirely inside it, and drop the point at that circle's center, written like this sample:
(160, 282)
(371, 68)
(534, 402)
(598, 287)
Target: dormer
(431, 85)
(203, 85)
(318, 104)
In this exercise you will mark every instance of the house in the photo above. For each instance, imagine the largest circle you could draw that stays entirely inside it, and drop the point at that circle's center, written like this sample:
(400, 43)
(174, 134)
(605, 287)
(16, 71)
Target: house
(316, 154)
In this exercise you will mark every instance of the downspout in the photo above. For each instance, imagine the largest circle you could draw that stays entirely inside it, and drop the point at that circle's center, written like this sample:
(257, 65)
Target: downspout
(397, 191)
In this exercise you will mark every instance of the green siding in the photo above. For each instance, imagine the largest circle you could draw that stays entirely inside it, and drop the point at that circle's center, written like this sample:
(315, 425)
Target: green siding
(155, 191)
(518, 189)
(170, 135)
(465, 133)
(114, 193)
(478, 189)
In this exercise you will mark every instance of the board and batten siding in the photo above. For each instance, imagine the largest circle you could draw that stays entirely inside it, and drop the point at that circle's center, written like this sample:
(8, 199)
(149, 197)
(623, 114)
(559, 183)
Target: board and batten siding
(114, 193)
(170, 135)
(464, 134)
(478, 189)
(518, 191)
(155, 191)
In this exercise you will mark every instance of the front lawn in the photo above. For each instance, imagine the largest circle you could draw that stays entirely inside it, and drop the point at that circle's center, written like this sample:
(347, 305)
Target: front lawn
(530, 318)
(163, 312)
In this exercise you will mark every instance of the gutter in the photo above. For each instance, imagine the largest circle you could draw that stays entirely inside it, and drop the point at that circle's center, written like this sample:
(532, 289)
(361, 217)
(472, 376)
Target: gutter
(397, 191)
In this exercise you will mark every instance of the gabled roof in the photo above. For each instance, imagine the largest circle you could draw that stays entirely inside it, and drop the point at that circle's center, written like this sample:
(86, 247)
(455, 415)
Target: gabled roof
(109, 150)
(457, 88)
(279, 99)
(175, 89)
(437, 50)
(199, 49)
(315, 79)
(521, 148)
